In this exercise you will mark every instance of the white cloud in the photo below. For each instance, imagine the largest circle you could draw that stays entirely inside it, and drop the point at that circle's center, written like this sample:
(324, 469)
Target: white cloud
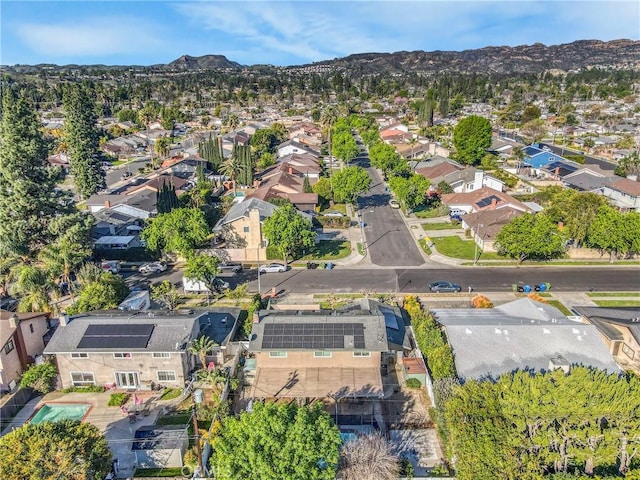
(91, 37)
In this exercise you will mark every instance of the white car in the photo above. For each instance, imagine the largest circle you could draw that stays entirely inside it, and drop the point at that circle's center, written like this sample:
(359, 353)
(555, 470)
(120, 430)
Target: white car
(112, 266)
(153, 267)
(393, 203)
(333, 213)
(273, 268)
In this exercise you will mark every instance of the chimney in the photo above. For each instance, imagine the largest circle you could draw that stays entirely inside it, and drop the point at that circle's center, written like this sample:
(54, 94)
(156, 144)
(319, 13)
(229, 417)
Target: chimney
(256, 317)
(494, 202)
(14, 321)
(63, 320)
(557, 172)
(290, 170)
(107, 204)
(560, 226)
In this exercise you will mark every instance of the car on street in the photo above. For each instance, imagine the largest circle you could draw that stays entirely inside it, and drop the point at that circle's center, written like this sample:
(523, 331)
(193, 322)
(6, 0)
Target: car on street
(443, 286)
(273, 268)
(233, 267)
(153, 267)
(220, 284)
(125, 175)
(112, 266)
(393, 203)
(333, 213)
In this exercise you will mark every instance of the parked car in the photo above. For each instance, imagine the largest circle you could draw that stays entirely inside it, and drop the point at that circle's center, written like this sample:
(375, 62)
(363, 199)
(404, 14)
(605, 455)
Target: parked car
(393, 203)
(125, 175)
(442, 286)
(195, 286)
(233, 267)
(112, 266)
(273, 268)
(333, 213)
(153, 267)
(220, 284)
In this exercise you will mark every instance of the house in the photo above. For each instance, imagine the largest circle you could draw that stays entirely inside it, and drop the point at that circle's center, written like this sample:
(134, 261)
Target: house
(587, 180)
(141, 204)
(283, 181)
(130, 350)
(305, 129)
(519, 335)
(411, 152)
(291, 146)
(160, 446)
(22, 337)
(60, 160)
(620, 330)
(325, 353)
(220, 325)
(624, 193)
(117, 242)
(536, 157)
(482, 199)
(486, 224)
(241, 229)
(110, 222)
(180, 183)
(305, 163)
(460, 179)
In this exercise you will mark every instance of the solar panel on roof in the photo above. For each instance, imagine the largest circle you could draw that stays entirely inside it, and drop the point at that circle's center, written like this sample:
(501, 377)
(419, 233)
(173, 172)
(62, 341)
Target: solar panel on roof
(487, 201)
(301, 335)
(116, 336)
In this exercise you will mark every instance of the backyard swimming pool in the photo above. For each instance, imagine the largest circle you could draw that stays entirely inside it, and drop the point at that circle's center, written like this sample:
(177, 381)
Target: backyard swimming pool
(55, 412)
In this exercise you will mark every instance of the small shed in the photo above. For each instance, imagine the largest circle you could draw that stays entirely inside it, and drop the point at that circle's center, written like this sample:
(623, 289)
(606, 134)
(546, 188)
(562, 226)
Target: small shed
(414, 367)
(160, 447)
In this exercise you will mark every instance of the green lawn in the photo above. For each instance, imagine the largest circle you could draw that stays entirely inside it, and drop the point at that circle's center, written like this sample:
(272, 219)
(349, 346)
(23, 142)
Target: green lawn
(440, 226)
(614, 294)
(339, 207)
(617, 303)
(425, 247)
(559, 306)
(325, 250)
(435, 212)
(174, 419)
(456, 248)
(158, 472)
(170, 393)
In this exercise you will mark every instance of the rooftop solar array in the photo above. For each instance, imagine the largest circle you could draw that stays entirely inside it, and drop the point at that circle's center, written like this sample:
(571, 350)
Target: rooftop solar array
(120, 216)
(116, 336)
(487, 201)
(330, 336)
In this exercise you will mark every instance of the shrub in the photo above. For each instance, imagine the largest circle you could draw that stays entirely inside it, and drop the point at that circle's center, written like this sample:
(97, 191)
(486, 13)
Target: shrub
(406, 469)
(85, 389)
(118, 399)
(536, 297)
(413, 383)
(170, 393)
(39, 377)
(480, 301)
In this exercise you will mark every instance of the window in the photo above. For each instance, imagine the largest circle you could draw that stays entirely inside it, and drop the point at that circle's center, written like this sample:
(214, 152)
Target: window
(79, 355)
(166, 376)
(31, 327)
(9, 346)
(161, 355)
(277, 354)
(246, 230)
(628, 351)
(321, 354)
(82, 378)
(122, 355)
(361, 354)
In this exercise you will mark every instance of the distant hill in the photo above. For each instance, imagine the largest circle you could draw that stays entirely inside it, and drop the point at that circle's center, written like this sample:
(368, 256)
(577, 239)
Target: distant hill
(187, 62)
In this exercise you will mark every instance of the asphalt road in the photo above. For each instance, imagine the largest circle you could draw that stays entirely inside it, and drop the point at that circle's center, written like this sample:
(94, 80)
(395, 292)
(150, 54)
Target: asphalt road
(415, 280)
(114, 175)
(389, 241)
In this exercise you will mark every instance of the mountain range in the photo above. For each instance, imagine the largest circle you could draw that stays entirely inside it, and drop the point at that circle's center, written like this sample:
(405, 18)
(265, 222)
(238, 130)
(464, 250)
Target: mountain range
(536, 58)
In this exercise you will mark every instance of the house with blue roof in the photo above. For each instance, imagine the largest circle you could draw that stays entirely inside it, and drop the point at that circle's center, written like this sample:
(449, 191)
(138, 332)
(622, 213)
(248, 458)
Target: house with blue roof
(538, 158)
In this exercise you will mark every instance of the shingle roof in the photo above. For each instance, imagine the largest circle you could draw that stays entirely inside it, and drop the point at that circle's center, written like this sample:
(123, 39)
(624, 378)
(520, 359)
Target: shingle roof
(587, 182)
(239, 210)
(627, 186)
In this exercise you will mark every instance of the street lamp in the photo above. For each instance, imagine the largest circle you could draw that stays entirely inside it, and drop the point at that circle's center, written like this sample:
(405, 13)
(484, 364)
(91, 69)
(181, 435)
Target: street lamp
(197, 398)
(475, 250)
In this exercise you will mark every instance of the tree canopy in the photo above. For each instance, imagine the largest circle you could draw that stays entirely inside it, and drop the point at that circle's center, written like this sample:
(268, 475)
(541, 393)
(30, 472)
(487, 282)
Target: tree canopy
(277, 441)
(615, 232)
(202, 268)
(179, 231)
(471, 137)
(66, 450)
(411, 191)
(350, 182)
(531, 236)
(289, 232)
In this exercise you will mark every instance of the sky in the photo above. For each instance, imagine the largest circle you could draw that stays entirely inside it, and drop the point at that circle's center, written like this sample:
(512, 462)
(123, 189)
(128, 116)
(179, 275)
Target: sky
(292, 33)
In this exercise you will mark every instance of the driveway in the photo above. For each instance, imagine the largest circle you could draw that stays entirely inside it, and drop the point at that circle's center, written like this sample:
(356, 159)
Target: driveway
(389, 241)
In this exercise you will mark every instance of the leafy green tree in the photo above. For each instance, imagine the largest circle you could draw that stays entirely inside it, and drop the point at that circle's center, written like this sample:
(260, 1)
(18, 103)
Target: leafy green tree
(323, 188)
(81, 452)
(29, 199)
(629, 165)
(277, 441)
(104, 294)
(165, 293)
(40, 378)
(384, 157)
(534, 130)
(350, 182)
(344, 146)
(162, 147)
(471, 137)
(531, 236)
(577, 210)
(179, 231)
(289, 232)
(444, 187)
(614, 232)
(411, 191)
(82, 138)
(266, 160)
(200, 347)
(33, 284)
(530, 112)
(202, 268)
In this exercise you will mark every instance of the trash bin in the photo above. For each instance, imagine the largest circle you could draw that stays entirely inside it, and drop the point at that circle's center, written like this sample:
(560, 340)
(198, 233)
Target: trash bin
(541, 287)
(514, 287)
(527, 289)
(329, 266)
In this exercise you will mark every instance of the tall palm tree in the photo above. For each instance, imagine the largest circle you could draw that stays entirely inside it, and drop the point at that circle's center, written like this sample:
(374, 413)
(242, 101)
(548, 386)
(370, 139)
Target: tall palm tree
(35, 286)
(64, 257)
(200, 347)
(233, 167)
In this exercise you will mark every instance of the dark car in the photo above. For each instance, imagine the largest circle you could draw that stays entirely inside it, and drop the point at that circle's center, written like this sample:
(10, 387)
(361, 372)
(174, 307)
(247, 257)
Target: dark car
(442, 286)
(126, 175)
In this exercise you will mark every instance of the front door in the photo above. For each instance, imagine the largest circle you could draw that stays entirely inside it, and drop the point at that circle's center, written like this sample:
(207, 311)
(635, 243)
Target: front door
(127, 379)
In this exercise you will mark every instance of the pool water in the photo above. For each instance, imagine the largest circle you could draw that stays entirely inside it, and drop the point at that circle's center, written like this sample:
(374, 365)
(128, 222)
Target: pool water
(56, 412)
(347, 437)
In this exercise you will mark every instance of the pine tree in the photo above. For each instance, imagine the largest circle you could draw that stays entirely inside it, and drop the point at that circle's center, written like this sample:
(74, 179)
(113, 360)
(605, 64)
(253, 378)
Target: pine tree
(306, 186)
(211, 150)
(166, 198)
(83, 139)
(29, 200)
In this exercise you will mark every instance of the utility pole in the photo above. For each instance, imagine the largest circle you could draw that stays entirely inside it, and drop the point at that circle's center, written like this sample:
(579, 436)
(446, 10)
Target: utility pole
(197, 398)
(475, 249)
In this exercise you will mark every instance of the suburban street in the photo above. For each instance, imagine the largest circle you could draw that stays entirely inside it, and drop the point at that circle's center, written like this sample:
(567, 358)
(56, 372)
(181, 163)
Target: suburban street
(114, 175)
(389, 241)
(415, 280)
